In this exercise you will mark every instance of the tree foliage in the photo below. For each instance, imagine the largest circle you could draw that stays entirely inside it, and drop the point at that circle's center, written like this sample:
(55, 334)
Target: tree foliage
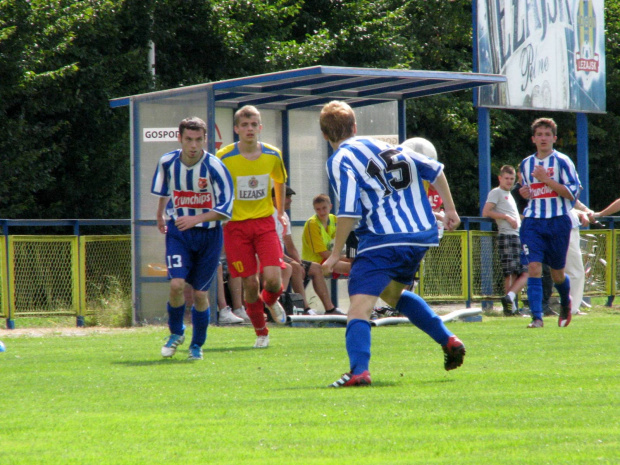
(63, 151)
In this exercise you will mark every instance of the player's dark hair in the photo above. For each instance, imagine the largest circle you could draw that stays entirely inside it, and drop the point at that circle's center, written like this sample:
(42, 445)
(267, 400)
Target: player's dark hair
(320, 199)
(193, 124)
(545, 122)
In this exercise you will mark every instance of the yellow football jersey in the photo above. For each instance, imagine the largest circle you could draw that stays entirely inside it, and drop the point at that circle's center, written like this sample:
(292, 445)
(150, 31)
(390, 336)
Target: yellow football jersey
(252, 180)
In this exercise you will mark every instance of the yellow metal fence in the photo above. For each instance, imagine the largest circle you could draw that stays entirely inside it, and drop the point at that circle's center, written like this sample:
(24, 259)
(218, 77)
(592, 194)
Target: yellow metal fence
(62, 275)
(75, 275)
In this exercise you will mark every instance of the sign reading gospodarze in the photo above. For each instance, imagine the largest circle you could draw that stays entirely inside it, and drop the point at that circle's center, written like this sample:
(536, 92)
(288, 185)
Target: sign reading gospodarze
(552, 53)
(172, 134)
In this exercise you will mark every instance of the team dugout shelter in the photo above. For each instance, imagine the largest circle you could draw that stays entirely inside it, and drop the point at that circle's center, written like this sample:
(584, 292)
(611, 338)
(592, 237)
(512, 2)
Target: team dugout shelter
(290, 103)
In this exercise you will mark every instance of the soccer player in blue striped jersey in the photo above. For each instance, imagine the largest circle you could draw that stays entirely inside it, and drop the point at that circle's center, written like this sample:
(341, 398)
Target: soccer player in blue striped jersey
(195, 190)
(551, 185)
(380, 189)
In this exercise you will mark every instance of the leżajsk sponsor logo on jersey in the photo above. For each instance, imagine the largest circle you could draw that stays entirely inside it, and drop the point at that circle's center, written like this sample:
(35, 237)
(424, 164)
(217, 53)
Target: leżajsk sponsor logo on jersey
(252, 187)
(187, 199)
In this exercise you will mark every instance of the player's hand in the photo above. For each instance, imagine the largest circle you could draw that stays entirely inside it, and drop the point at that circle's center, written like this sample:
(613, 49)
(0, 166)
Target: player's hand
(512, 221)
(525, 192)
(284, 224)
(540, 173)
(451, 220)
(161, 225)
(584, 218)
(183, 223)
(328, 265)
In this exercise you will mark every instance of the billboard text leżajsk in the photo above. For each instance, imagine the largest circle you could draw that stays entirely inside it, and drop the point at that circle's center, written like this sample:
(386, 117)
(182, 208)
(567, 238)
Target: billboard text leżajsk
(552, 53)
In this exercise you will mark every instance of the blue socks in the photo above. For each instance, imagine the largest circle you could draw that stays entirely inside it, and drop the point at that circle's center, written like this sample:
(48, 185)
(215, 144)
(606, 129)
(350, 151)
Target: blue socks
(535, 297)
(200, 321)
(357, 338)
(421, 315)
(564, 291)
(175, 319)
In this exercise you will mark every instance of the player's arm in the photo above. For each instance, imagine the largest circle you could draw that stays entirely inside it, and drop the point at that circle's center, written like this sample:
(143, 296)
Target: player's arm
(280, 189)
(540, 173)
(612, 208)
(344, 226)
(451, 218)
(184, 223)
(161, 217)
(488, 211)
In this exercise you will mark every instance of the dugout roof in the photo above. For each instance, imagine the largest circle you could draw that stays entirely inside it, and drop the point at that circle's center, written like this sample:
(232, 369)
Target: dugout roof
(316, 85)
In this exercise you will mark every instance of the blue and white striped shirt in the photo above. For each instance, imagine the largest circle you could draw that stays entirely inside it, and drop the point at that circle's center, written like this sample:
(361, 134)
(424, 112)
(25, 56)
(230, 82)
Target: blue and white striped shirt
(382, 185)
(200, 188)
(545, 202)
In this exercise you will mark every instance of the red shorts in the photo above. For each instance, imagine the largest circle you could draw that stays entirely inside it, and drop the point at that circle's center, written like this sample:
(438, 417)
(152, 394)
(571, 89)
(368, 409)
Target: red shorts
(246, 240)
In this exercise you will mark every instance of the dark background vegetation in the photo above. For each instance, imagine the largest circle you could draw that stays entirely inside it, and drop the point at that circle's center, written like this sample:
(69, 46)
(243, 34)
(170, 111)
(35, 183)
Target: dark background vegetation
(64, 153)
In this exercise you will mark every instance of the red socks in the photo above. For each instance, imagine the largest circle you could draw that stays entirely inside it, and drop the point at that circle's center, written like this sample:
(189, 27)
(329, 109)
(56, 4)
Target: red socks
(257, 316)
(270, 297)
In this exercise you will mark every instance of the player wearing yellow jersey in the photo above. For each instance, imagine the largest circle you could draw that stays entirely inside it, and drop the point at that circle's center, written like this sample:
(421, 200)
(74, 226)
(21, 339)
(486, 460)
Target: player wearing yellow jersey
(318, 235)
(251, 233)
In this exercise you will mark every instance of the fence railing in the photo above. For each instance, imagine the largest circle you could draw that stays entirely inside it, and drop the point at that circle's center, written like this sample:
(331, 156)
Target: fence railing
(53, 275)
(73, 275)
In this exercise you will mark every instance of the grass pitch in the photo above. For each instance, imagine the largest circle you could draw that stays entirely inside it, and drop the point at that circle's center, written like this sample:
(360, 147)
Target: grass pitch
(523, 396)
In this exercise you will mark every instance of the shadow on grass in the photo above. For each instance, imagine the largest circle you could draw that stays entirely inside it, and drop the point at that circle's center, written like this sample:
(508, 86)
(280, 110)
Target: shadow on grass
(180, 359)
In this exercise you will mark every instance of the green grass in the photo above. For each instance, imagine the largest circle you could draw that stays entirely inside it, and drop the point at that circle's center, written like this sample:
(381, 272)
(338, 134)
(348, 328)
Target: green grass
(523, 396)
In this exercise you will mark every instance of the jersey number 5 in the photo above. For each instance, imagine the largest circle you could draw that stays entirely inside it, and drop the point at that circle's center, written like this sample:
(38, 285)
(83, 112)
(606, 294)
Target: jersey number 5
(399, 169)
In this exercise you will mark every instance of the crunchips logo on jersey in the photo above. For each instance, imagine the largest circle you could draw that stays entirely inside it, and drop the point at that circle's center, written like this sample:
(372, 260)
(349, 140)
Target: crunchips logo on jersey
(539, 190)
(185, 199)
(202, 183)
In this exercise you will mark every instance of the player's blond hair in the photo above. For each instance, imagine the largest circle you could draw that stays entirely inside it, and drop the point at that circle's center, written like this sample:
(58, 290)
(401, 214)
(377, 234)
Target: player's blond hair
(337, 121)
(247, 111)
(507, 169)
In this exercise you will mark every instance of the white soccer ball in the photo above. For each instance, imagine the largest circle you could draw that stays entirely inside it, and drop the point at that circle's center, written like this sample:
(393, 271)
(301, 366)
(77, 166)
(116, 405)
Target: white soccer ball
(2, 347)
(421, 145)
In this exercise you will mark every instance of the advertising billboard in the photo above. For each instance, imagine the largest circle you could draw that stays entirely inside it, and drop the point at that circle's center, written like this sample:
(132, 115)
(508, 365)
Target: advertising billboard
(552, 53)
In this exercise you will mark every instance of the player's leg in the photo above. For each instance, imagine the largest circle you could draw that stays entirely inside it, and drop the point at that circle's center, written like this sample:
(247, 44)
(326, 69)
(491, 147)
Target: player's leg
(201, 315)
(320, 288)
(297, 281)
(557, 247)
(533, 245)
(368, 278)
(575, 271)
(207, 246)
(415, 307)
(242, 263)
(269, 252)
(178, 261)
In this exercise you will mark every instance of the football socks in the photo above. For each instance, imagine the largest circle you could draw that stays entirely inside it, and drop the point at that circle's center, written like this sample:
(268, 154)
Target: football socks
(200, 322)
(256, 314)
(357, 338)
(564, 291)
(421, 315)
(175, 319)
(535, 296)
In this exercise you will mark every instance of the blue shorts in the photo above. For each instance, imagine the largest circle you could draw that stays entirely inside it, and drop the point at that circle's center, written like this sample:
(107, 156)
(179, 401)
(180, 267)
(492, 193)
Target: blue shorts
(545, 240)
(374, 269)
(193, 255)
